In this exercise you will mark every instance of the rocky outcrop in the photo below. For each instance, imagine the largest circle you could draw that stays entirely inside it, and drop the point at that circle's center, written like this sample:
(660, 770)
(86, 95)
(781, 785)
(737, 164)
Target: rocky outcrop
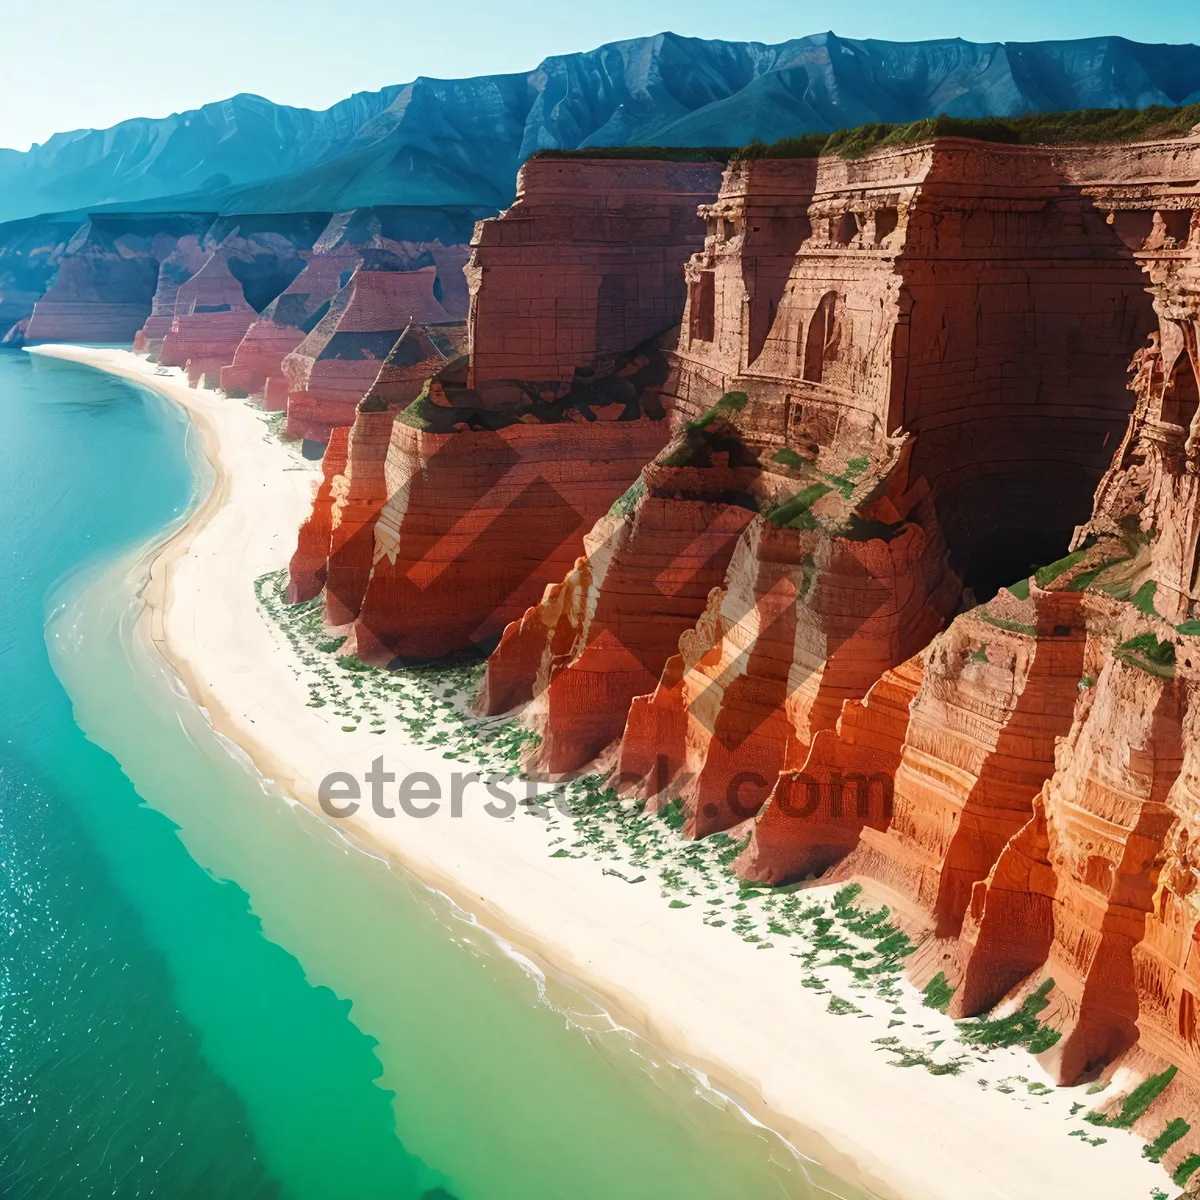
(584, 266)
(479, 520)
(211, 318)
(557, 409)
(252, 260)
(257, 367)
(107, 276)
(30, 253)
(334, 367)
(359, 494)
(189, 254)
(306, 571)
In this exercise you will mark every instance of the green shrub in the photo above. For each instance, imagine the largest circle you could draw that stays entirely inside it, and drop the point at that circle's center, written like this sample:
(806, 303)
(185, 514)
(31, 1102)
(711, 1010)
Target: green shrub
(1175, 1130)
(1021, 1028)
(794, 512)
(1143, 598)
(1147, 652)
(625, 503)
(1134, 1106)
(1044, 576)
(938, 992)
(1186, 1169)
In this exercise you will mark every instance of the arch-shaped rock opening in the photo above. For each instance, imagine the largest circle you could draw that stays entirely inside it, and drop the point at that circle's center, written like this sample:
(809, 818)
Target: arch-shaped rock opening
(844, 229)
(886, 220)
(821, 343)
(702, 313)
(1182, 397)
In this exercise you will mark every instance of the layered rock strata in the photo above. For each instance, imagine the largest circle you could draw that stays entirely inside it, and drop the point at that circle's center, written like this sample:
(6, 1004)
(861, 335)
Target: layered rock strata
(585, 265)
(415, 237)
(252, 261)
(30, 253)
(107, 277)
(512, 454)
(257, 366)
(484, 509)
(334, 367)
(360, 492)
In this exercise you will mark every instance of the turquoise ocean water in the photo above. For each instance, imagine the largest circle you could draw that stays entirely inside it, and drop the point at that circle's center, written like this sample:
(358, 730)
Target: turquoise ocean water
(204, 991)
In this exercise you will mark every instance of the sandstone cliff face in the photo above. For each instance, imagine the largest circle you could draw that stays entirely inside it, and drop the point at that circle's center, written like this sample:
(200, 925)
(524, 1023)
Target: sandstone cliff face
(1043, 812)
(584, 266)
(211, 318)
(257, 367)
(359, 494)
(107, 277)
(509, 457)
(30, 252)
(189, 254)
(479, 521)
(306, 571)
(252, 260)
(335, 365)
(720, 557)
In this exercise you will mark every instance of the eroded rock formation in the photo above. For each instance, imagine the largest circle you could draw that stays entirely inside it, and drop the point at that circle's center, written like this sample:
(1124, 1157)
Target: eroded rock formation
(515, 451)
(334, 367)
(107, 277)
(257, 367)
(30, 252)
(252, 260)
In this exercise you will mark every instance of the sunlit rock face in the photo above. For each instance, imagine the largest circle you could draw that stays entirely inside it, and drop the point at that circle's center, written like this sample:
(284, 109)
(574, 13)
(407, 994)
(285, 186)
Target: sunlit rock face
(334, 367)
(771, 561)
(513, 452)
(413, 237)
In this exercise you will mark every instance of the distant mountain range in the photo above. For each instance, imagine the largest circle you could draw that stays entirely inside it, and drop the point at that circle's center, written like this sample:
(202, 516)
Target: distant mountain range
(438, 142)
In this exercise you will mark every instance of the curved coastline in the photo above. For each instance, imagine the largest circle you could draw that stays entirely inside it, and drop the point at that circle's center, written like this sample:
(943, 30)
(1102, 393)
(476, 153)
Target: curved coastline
(895, 1134)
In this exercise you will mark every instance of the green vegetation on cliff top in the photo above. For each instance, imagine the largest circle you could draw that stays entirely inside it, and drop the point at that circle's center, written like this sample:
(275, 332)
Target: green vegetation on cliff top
(1086, 126)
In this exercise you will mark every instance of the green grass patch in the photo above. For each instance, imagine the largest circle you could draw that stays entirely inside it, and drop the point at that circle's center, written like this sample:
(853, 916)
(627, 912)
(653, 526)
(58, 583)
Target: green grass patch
(1021, 1028)
(625, 503)
(1176, 1129)
(1011, 626)
(1045, 576)
(794, 513)
(1134, 1106)
(1143, 598)
(1092, 125)
(840, 1007)
(1148, 653)
(1186, 1169)
(729, 403)
(938, 992)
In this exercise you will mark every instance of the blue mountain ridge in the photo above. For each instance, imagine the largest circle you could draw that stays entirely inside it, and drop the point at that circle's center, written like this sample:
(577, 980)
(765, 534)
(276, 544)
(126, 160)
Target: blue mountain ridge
(435, 142)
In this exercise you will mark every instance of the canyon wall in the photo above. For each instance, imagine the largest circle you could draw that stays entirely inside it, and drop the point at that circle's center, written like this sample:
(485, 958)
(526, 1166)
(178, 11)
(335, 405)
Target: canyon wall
(107, 277)
(333, 368)
(417, 237)
(30, 253)
(513, 452)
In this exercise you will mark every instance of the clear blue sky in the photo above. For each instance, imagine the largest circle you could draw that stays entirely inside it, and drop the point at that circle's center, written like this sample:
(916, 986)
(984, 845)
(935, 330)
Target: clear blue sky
(68, 64)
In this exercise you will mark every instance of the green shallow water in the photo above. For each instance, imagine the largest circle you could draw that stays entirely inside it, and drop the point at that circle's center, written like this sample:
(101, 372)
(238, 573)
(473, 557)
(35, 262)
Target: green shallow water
(207, 992)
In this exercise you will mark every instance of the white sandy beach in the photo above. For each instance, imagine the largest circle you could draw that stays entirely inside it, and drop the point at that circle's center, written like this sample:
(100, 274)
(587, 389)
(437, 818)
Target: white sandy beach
(711, 1000)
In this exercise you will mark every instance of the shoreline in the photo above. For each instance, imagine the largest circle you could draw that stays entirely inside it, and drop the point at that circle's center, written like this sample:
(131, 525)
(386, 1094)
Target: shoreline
(735, 1017)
